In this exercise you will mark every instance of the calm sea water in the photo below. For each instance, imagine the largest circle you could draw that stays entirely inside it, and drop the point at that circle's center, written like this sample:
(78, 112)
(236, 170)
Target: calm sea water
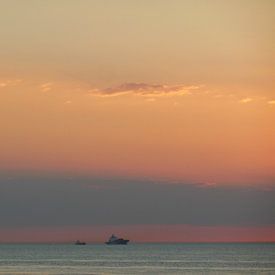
(137, 259)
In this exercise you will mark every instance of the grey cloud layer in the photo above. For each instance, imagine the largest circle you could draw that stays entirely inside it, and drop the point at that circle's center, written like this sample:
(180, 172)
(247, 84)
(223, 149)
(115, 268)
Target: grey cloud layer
(55, 200)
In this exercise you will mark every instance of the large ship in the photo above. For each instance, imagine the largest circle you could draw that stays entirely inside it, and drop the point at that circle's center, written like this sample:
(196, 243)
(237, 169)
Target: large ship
(115, 240)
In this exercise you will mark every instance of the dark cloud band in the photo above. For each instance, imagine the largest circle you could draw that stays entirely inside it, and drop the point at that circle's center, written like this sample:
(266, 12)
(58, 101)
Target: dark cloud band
(55, 200)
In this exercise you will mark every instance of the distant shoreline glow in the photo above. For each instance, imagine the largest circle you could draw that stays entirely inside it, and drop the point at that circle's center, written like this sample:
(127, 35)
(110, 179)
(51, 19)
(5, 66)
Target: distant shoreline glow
(141, 233)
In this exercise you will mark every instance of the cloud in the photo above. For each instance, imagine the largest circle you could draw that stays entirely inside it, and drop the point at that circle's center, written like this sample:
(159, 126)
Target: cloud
(146, 90)
(271, 102)
(246, 100)
(40, 200)
(46, 86)
(151, 99)
(3, 84)
(10, 82)
(207, 184)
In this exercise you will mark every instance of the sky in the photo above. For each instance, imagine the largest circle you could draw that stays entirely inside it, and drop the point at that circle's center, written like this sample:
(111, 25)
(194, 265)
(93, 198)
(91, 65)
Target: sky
(150, 119)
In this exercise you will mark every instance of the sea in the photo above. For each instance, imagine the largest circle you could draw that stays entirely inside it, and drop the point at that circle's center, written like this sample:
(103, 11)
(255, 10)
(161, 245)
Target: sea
(183, 258)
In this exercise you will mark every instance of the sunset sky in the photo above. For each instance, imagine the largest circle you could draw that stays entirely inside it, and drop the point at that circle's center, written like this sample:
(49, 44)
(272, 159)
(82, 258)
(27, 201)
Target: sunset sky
(154, 119)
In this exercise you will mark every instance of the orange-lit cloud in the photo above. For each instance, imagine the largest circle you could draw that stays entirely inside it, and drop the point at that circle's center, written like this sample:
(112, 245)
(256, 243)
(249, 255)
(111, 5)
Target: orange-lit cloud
(3, 84)
(148, 90)
(46, 86)
(246, 100)
(10, 82)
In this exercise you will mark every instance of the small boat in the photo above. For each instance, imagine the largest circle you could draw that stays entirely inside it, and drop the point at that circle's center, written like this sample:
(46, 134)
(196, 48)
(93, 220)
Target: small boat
(79, 243)
(115, 240)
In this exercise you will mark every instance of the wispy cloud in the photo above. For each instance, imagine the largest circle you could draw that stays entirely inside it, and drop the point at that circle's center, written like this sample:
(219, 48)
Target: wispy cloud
(146, 90)
(46, 86)
(271, 102)
(207, 184)
(9, 82)
(246, 100)
(3, 84)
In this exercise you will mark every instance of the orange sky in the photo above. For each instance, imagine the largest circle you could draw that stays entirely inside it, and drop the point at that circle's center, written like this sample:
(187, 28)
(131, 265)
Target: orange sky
(170, 91)
(176, 132)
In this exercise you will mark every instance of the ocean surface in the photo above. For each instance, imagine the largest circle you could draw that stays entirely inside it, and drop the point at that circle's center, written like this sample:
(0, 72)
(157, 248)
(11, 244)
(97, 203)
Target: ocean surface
(44, 259)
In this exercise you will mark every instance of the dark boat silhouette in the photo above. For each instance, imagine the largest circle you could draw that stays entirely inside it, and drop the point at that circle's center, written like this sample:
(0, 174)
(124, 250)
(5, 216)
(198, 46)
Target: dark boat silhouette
(115, 240)
(79, 243)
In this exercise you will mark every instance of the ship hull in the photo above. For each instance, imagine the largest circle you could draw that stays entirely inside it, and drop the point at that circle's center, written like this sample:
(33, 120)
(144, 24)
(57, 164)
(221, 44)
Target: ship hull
(119, 241)
(80, 243)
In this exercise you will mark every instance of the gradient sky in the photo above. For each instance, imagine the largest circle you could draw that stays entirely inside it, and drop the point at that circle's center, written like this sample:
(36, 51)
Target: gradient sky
(109, 106)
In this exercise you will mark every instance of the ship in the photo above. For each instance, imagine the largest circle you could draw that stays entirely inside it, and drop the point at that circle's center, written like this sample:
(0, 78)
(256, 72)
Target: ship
(79, 243)
(115, 240)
